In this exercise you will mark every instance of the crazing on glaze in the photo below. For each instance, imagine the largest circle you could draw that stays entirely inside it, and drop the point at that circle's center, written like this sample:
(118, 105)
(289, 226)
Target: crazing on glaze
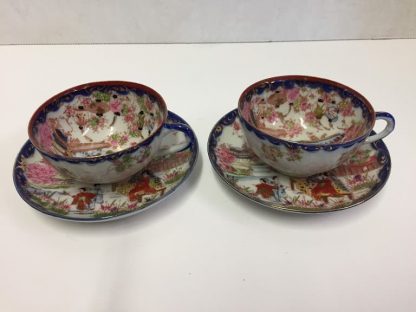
(360, 177)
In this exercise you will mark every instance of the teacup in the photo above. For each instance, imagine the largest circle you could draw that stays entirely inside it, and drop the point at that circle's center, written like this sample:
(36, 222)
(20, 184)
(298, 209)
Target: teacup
(302, 125)
(101, 132)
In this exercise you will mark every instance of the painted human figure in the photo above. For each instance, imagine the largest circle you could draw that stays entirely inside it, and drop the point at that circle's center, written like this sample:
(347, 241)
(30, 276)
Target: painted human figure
(99, 196)
(325, 188)
(331, 112)
(279, 189)
(83, 199)
(264, 189)
(142, 187)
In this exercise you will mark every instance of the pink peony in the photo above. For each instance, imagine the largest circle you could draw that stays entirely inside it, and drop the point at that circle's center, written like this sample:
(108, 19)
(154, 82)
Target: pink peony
(224, 154)
(86, 101)
(115, 106)
(305, 106)
(292, 94)
(45, 135)
(41, 173)
(129, 117)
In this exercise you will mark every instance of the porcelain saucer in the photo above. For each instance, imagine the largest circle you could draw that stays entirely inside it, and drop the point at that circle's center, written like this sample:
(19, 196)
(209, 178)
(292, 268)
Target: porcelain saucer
(43, 188)
(357, 180)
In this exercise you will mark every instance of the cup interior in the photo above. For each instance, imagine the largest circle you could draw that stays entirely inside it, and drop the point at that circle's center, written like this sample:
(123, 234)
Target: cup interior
(97, 119)
(307, 110)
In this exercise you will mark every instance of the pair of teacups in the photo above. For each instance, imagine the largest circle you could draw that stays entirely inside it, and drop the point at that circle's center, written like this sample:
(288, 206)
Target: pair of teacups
(299, 125)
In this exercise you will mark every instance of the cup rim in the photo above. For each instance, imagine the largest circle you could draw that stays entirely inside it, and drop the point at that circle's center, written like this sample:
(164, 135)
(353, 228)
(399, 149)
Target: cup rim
(113, 155)
(312, 146)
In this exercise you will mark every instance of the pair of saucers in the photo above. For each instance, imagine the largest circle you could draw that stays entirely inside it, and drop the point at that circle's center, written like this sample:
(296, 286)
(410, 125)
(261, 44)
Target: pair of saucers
(357, 180)
(105, 150)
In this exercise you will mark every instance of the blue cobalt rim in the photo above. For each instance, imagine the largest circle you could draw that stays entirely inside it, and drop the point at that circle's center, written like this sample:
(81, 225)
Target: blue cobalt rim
(229, 118)
(122, 87)
(289, 82)
(28, 149)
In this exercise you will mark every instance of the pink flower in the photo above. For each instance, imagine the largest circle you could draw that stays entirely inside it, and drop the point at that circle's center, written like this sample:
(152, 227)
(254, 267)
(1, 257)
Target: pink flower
(69, 111)
(41, 173)
(132, 206)
(236, 126)
(292, 94)
(294, 130)
(108, 207)
(64, 206)
(305, 106)
(45, 135)
(327, 97)
(224, 154)
(129, 117)
(124, 139)
(86, 101)
(347, 110)
(115, 106)
(272, 117)
(310, 117)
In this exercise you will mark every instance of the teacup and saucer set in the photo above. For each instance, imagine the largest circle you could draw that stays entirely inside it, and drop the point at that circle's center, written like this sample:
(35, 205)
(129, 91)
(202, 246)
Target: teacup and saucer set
(302, 144)
(102, 151)
(107, 150)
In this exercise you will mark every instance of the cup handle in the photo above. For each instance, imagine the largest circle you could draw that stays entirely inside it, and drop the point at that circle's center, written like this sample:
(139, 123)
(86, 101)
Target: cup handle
(389, 127)
(168, 128)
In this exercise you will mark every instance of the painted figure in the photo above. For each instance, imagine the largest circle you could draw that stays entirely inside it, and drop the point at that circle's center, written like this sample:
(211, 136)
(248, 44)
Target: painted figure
(144, 187)
(327, 188)
(264, 189)
(83, 199)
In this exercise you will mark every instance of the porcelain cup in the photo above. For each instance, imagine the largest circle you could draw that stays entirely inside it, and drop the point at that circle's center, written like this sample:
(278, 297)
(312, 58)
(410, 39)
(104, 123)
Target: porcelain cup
(302, 125)
(101, 132)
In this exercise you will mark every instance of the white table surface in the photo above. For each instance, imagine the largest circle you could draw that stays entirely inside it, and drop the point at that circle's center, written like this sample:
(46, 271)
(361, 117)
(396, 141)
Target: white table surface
(206, 248)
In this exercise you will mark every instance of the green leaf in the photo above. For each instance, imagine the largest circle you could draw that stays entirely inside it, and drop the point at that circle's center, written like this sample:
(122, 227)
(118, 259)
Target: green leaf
(105, 97)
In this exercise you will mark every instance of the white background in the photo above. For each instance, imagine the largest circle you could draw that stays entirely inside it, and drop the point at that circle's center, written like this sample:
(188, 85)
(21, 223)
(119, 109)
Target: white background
(144, 21)
(205, 248)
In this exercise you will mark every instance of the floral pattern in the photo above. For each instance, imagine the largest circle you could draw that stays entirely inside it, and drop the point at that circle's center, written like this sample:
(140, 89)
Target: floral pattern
(98, 124)
(43, 187)
(304, 114)
(357, 179)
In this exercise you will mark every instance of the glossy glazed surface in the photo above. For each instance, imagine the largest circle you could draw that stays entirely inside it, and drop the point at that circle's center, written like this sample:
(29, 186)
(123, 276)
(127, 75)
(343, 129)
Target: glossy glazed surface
(306, 110)
(45, 189)
(359, 178)
(96, 121)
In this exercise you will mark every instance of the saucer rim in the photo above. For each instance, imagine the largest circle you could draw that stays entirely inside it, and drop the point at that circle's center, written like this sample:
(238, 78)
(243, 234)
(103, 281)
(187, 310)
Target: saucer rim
(20, 188)
(233, 114)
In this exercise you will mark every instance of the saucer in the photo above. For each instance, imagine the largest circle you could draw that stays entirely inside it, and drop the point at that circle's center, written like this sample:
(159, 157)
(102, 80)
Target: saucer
(354, 182)
(43, 188)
